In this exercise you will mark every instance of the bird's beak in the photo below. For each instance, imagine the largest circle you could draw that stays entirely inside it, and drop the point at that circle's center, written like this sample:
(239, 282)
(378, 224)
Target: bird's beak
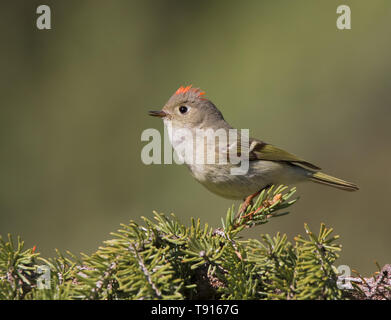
(160, 114)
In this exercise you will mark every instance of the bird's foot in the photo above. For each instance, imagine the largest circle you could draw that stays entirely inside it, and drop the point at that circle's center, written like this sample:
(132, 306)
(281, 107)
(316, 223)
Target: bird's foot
(247, 202)
(276, 198)
(265, 204)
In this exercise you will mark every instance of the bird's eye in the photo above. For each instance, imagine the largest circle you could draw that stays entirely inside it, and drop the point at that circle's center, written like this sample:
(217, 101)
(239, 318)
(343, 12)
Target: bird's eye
(183, 109)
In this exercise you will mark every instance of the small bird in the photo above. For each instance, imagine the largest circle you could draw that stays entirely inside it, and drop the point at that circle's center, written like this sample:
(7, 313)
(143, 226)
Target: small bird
(268, 165)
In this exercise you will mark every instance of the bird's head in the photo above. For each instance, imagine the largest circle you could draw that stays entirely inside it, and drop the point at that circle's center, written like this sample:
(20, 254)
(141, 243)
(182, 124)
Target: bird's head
(187, 108)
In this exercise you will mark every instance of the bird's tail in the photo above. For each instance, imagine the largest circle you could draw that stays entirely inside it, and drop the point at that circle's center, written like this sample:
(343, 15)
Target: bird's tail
(323, 178)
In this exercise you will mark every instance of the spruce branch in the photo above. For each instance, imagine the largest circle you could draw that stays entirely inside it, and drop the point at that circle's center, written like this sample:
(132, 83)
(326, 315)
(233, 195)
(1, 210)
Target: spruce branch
(166, 259)
(268, 205)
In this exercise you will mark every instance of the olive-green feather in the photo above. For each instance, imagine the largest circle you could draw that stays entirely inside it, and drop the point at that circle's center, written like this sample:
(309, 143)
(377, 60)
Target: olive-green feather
(263, 151)
(322, 178)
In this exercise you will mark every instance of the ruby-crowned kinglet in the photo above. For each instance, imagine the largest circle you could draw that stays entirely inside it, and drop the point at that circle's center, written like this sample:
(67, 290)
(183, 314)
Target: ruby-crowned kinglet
(267, 164)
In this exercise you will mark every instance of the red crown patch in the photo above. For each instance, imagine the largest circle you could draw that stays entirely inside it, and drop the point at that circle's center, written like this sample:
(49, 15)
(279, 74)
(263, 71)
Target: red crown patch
(196, 91)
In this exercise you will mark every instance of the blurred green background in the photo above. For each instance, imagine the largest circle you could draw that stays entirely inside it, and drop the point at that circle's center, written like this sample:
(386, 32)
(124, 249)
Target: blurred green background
(74, 103)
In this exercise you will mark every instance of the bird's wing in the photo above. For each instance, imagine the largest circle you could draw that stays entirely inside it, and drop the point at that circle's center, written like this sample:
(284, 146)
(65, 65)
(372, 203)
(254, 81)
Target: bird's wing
(260, 150)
